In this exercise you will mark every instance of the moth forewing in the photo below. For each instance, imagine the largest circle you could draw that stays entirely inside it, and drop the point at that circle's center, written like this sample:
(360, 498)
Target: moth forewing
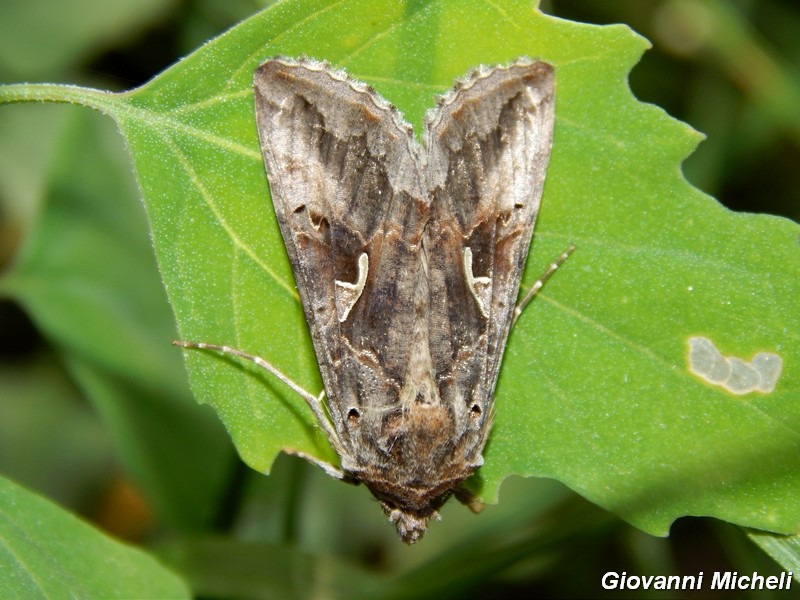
(488, 146)
(408, 261)
(343, 175)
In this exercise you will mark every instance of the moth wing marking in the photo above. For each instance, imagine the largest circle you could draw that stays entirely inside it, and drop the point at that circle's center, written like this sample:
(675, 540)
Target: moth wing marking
(347, 294)
(481, 287)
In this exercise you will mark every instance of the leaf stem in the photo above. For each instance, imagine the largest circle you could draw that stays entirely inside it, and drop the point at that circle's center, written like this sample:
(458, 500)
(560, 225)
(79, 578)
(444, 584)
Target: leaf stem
(105, 102)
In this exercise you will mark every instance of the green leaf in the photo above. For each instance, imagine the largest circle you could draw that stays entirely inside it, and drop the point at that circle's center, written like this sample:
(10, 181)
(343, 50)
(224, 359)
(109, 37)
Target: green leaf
(784, 549)
(48, 553)
(595, 389)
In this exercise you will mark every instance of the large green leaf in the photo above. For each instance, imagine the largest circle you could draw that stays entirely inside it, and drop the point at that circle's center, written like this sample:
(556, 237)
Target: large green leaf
(45, 552)
(595, 389)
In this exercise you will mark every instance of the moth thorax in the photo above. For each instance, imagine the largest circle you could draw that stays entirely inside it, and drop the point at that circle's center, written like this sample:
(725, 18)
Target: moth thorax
(421, 430)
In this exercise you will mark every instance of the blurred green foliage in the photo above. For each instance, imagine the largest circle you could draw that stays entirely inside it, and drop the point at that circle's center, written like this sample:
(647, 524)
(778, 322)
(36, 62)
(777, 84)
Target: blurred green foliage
(730, 69)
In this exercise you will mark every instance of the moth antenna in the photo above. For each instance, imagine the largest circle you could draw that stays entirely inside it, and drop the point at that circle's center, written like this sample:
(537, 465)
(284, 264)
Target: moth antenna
(314, 402)
(536, 287)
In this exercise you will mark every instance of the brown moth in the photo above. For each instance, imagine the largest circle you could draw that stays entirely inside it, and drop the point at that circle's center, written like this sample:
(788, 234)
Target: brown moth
(408, 260)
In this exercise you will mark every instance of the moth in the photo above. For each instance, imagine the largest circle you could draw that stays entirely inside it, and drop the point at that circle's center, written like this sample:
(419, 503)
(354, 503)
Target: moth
(408, 259)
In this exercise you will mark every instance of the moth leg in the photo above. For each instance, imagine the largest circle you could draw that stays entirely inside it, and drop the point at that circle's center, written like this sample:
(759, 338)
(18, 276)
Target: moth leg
(314, 402)
(541, 281)
(468, 499)
(325, 466)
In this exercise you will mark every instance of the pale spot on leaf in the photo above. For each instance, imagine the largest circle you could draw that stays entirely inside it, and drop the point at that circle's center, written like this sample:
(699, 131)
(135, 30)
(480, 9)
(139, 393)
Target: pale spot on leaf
(732, 373)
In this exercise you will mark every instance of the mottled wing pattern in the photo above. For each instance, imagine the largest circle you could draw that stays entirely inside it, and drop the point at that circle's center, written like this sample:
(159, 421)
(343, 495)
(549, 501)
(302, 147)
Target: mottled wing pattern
(345, 180)
(408, 261)
(488, 145)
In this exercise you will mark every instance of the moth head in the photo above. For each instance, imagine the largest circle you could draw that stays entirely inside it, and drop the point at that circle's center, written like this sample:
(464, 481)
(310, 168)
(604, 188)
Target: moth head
(411, 525)
(410, 506)
(410, 509)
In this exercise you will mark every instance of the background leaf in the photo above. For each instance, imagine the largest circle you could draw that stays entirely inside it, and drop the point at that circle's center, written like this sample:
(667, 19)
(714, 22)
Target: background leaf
(87, 276)
(34, 41)
(785, 549)
(40, 410)
(644, 237)
(47, 552)
(223, 568)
